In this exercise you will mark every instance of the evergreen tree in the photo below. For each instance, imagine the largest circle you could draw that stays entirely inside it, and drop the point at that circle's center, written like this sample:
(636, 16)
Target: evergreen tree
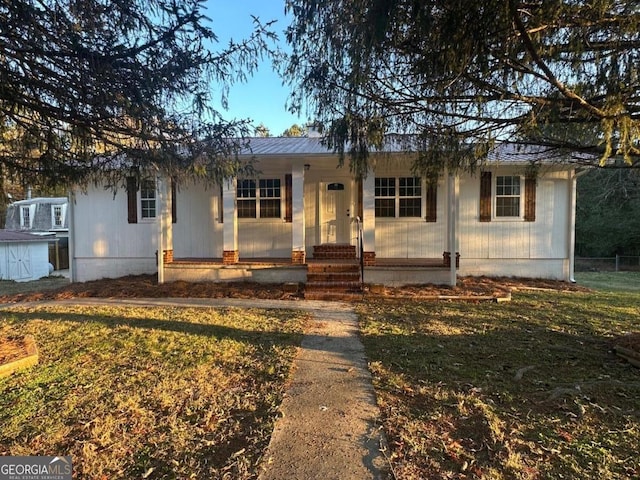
(85, 84)
(462, 73)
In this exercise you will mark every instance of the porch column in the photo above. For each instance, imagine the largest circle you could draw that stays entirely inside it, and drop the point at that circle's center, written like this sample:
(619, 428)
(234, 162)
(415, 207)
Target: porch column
(452, 236)
(298, 254)
(230, 254)
(165, 226)
(71, 215)
(369, 217)
(572, 225)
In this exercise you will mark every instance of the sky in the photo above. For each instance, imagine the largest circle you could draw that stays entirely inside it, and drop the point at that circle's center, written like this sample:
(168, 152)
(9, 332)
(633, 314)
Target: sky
(262, 98)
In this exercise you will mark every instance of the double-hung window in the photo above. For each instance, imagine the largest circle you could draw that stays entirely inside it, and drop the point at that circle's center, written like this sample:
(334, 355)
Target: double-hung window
(246, 195)
(147, 199)
(57, 214)
(270, 198)
(398, 197)
(508, 196)
(385, 197)
(25, 217)
(410, 197)
(259, 200)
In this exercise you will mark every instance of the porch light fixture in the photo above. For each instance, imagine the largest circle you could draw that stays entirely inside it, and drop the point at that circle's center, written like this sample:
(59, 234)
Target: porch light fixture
(306, 167)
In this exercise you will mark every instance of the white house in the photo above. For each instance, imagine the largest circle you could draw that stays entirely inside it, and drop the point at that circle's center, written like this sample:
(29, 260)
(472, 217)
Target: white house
(302, 211)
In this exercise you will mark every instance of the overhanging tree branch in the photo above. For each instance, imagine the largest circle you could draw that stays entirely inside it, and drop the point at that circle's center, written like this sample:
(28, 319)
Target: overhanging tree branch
(564, 75)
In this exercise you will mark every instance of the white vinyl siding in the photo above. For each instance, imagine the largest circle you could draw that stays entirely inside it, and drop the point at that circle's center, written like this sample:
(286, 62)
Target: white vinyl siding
(543, 239)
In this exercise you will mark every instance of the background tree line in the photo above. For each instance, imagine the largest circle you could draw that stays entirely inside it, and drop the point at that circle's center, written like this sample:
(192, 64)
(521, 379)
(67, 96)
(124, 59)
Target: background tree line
(607, 222)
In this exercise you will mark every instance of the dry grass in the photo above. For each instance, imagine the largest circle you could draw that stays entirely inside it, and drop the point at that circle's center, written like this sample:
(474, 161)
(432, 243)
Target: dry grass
(523, 390)
(9, 287)
(148, 392)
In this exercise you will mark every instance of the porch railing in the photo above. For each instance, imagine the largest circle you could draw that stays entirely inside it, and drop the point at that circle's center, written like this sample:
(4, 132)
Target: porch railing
(360, 248)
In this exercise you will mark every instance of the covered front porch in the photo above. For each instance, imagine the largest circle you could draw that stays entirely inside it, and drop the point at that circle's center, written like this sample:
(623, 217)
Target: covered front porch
(393, 272)
(273, 229)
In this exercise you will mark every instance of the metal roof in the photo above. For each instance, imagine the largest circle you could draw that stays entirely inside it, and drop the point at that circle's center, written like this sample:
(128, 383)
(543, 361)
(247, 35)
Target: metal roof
(290, 146)
(286, 146)
(519, 153)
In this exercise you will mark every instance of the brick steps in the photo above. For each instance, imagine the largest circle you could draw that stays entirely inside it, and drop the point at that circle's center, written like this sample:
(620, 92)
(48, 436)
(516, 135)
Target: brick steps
(333, 277)
(333, 286)
(333, 274)
(332, 268)
(334, 252)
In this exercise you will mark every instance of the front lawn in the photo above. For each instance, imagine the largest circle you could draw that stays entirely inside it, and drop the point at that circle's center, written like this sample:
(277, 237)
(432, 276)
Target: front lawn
(528, 389)
(148, 392)
(610, 281)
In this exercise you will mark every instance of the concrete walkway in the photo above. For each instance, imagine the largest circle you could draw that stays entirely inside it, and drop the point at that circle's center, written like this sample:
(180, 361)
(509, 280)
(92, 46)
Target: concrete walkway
(329, 427)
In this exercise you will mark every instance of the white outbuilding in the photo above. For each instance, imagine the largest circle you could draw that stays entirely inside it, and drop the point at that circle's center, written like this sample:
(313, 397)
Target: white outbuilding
(23, 256)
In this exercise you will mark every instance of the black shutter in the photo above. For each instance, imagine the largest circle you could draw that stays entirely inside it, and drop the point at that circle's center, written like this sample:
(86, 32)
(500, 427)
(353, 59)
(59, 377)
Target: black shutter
(360, 198)
(288, 198)
(132, 200)
(174, 200)
(530, 199)
(220, 205)
(485, 197)
(432, 202)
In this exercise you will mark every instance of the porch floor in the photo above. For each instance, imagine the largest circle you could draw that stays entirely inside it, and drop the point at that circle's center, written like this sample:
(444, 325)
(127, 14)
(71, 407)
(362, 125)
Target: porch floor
(242, 261)
(387, 271)
(380, 262)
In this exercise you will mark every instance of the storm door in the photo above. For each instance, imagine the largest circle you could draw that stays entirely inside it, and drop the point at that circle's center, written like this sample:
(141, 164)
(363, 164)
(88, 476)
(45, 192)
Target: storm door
(336, 216)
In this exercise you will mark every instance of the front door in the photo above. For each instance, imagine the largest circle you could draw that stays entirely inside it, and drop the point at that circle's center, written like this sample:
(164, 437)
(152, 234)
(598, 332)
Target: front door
(336, 217)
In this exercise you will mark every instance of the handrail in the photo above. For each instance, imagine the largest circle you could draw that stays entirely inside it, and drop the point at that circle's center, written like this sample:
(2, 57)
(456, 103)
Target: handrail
(360, 240)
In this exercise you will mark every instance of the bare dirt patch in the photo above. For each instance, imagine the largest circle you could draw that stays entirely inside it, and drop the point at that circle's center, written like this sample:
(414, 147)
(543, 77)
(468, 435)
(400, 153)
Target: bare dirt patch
(17, 352)
(12, 349)
(147, 286)
(469, 287)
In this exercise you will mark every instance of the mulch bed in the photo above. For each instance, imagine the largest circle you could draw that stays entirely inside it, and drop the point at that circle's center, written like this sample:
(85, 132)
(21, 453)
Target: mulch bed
(147, 286)
(12, 349)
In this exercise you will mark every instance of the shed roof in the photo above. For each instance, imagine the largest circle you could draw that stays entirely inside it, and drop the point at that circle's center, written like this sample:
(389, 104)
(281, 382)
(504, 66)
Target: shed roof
(11, 236)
